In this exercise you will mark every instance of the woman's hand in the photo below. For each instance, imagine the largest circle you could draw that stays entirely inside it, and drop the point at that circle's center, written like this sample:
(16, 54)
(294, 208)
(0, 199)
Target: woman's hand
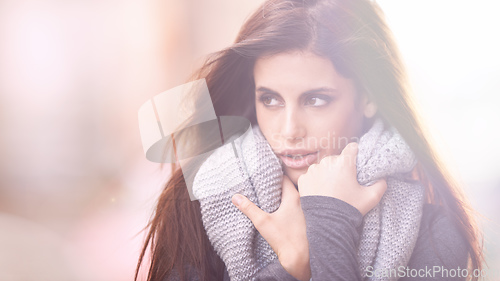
(284, 229)
(336, 176)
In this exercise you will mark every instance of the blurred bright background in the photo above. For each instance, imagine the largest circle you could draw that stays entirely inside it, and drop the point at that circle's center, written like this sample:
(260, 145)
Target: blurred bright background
(75, 186)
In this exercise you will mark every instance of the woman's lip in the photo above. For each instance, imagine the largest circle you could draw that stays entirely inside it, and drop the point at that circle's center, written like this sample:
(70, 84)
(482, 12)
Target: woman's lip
(297, 152)
(300, 161)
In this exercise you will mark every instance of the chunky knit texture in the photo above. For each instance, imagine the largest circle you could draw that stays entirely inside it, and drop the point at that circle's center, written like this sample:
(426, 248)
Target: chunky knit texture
(389, 231)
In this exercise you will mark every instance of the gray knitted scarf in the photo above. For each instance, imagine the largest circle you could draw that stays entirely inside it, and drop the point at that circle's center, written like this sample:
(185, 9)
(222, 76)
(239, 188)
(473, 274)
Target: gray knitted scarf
(250, 167)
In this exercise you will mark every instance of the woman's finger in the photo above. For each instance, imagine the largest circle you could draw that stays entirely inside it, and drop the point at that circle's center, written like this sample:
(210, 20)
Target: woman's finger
(247, 207)
(375, 193)
(378, 189)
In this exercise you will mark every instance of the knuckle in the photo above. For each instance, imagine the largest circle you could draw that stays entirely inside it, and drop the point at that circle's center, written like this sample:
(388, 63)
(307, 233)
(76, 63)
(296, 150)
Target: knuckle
(372, 195)
(324, 160)
(340, 161)
(384, 183)
(245, 206)
(346, 159)
(312, 167)
(375, 195)
(351, 160)
(336, 158)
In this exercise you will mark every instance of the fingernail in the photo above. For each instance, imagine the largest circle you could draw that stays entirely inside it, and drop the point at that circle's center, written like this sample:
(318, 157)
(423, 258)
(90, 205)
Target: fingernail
(354, 145)
(237, 199)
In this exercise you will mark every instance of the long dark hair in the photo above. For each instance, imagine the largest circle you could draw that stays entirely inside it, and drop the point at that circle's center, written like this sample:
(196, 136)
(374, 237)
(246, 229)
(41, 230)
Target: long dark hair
(353, 34)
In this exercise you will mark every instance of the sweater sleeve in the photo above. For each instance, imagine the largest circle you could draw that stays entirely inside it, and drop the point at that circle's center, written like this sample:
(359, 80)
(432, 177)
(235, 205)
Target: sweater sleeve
(274, 271)
(333, 232)
(440, 252)
(333, 228)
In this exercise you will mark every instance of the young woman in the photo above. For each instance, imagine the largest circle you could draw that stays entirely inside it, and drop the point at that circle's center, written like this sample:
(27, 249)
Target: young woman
(302, 71)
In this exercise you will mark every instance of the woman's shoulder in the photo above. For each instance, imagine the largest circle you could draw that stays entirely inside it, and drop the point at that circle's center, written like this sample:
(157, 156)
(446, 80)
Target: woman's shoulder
(439, 223)
(437, 218)
(440, 240)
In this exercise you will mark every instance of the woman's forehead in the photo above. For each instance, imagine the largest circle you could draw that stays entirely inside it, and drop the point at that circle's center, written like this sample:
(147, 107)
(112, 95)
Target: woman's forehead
(297, 72)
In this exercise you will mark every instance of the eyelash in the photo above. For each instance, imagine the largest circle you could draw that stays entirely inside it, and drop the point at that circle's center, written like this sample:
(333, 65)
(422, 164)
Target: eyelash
(262, 98)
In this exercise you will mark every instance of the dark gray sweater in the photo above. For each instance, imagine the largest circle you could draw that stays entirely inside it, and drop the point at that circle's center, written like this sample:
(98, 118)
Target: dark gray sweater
(333, 232)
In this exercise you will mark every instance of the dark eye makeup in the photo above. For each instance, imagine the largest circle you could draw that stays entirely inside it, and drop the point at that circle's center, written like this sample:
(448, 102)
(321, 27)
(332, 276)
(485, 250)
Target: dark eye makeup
(318, 100)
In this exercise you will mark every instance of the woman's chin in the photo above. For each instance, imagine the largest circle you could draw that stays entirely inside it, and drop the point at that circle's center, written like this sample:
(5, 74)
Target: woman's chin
(294, 174)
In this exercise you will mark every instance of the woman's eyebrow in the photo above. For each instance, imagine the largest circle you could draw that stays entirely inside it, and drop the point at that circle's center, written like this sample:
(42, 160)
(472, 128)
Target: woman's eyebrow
(312, 91)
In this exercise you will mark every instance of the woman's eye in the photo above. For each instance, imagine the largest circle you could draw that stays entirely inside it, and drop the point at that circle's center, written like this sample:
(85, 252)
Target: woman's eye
(269, 101)
(315, 101)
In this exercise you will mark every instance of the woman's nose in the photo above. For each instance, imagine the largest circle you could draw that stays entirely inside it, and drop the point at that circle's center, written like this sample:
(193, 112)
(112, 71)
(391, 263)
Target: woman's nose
(292, 127)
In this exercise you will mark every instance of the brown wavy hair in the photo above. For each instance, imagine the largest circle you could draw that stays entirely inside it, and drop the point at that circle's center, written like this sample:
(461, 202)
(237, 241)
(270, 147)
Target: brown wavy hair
(353, 34)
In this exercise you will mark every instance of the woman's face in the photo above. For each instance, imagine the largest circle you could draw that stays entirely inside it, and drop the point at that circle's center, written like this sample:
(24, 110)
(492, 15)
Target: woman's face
(306, 110)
